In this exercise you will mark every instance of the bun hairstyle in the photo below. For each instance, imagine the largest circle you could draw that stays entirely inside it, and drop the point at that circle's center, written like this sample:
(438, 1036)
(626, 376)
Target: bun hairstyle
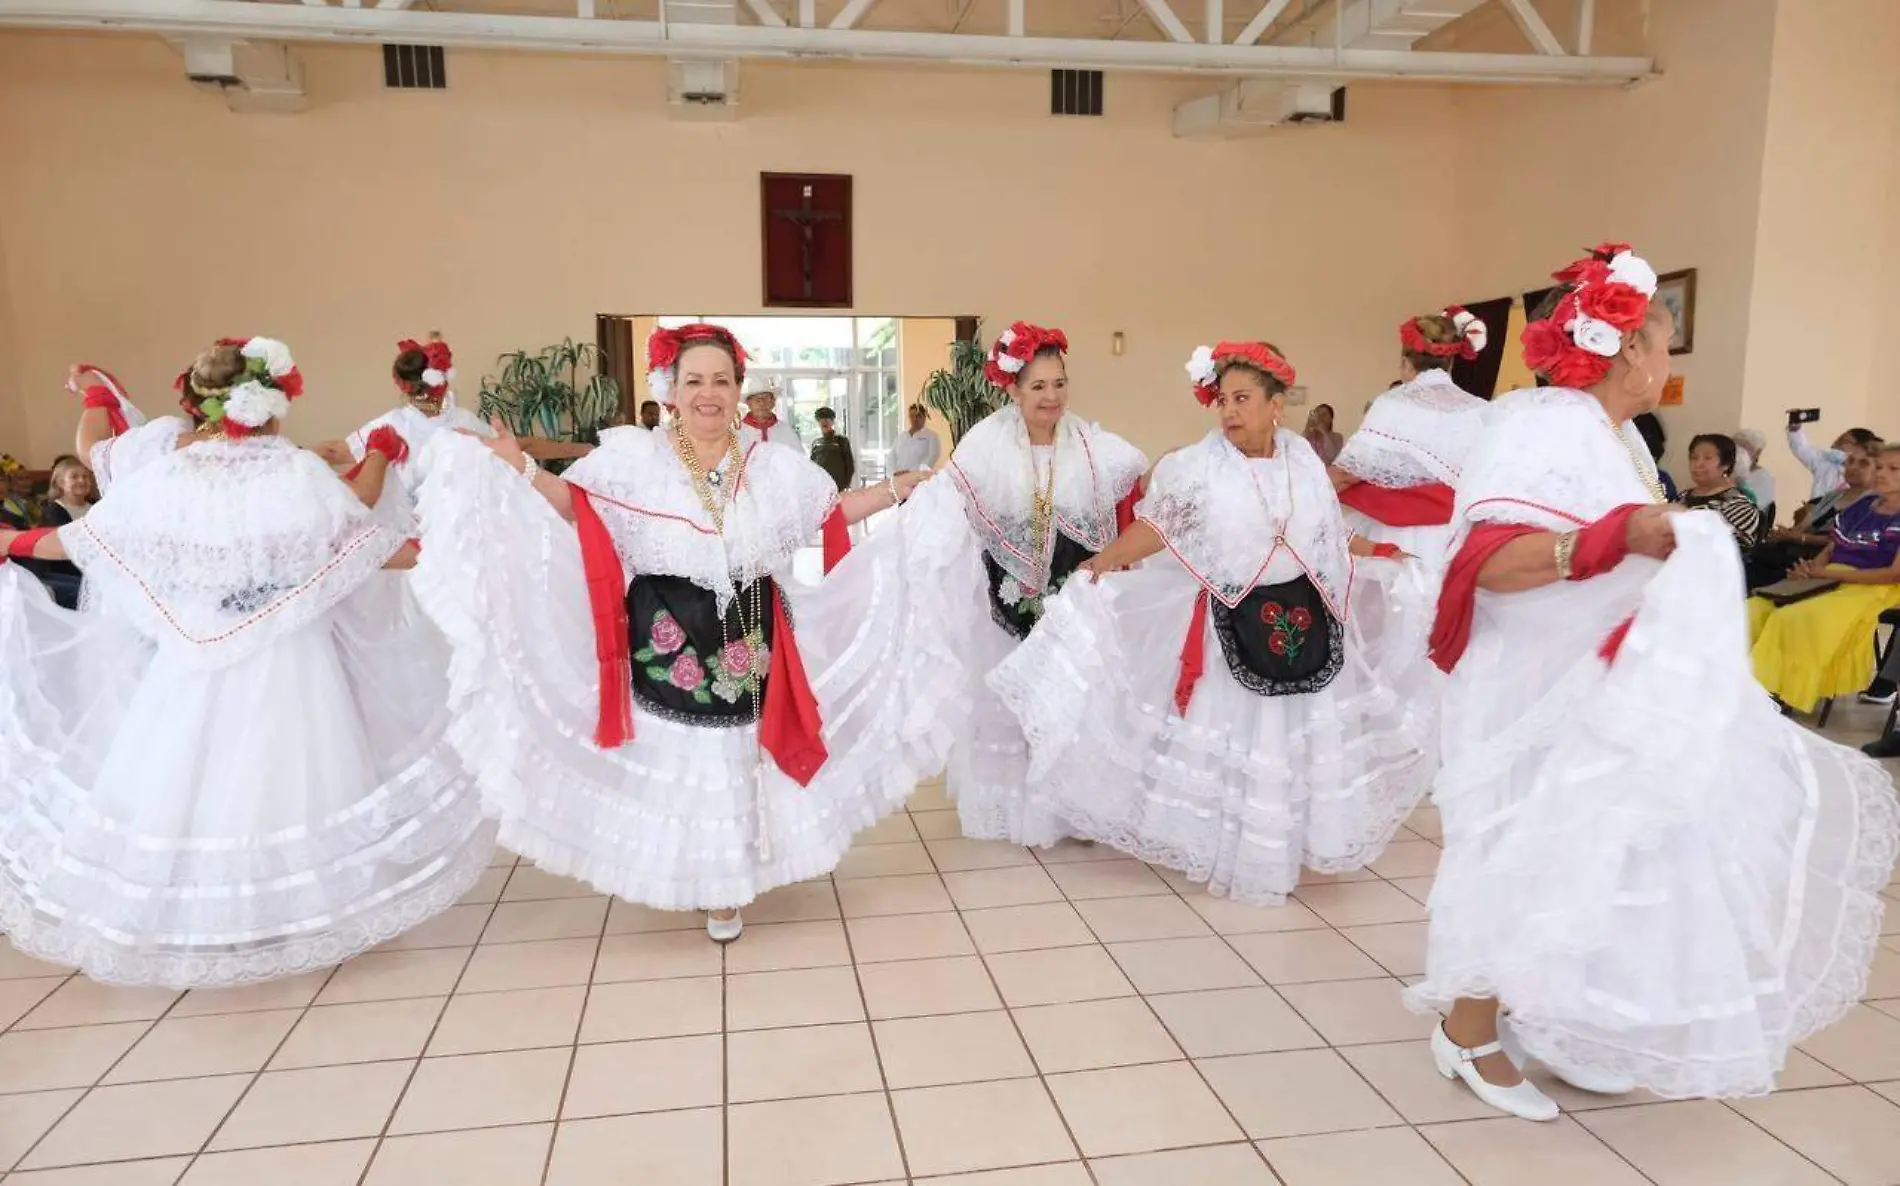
(239, 385)
(422, 371)
(1432, 340)
(1210, 364)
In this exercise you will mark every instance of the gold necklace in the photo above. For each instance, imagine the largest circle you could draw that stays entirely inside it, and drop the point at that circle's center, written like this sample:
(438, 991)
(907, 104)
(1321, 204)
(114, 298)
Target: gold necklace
(1042, 507)
(704, 481)
(1650, 481)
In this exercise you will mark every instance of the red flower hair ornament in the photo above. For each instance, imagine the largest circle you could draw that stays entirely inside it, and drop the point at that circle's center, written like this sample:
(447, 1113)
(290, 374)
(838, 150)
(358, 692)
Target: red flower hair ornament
(1204, 366)
(1014, 349)
(1471, 340)
(434, 382)
(1609, 294)
(260, 393)
(665, 346)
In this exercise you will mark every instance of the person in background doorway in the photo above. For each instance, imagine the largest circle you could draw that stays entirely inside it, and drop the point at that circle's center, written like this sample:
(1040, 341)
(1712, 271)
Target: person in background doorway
(762, 422)
(1649, 425)
(1756, 482)
(832, 451)
(1319, 433)
(650, 414)
(918, 448)
(1825, 464)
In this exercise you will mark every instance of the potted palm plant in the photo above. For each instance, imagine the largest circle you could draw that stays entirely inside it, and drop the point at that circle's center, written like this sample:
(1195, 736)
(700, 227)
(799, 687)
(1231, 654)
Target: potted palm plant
(557, 393)
(961, 395)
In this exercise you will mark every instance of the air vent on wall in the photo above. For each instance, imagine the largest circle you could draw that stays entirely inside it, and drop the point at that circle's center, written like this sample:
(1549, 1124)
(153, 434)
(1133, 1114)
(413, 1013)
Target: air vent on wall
(414, 67)
(1075, 92)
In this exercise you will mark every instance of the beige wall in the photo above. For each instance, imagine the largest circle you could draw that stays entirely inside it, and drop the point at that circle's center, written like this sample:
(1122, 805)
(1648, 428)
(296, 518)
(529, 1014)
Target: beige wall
(1826, 239)
(145, 219)
(1673, 166)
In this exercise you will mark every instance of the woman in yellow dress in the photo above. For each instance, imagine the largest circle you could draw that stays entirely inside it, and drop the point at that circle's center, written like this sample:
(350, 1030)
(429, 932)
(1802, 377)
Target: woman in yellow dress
(1818, 648)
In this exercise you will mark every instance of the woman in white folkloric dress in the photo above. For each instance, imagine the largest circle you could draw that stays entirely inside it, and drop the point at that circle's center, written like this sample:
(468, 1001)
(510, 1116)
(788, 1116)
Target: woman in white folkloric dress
(422, 373)
(1659, 880)
(1396, 473)
(1031, 492)
(1252, 701)
(652, 704)
(231, 766)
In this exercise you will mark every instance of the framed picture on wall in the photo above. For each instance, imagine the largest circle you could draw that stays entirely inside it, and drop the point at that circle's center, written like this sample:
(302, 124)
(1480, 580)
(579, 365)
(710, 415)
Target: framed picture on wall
(1677, 290)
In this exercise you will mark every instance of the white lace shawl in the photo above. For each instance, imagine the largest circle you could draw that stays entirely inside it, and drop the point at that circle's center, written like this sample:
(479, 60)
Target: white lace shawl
(645, 497)
(417, 426)
(1226, 520)
(1415, 435)
(223, 546)
(995, 470)
(1550, 458)
(121, 456)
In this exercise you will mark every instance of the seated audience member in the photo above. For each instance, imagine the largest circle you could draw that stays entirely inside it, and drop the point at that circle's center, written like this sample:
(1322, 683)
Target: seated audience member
(1651, 427)
(18, 508)
(1887, 745)
(1755, 481)
(1810, 650)
(1712, 487)
(70, 492)
(1813, 523)
(1825, 464)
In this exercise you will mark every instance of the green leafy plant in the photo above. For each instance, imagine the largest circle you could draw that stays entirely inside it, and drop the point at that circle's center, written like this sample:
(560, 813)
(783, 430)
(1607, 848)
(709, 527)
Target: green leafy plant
(961, 394)
(557, 393)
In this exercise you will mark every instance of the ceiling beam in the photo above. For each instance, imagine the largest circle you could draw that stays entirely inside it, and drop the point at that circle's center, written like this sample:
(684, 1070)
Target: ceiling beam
(1216, 22)
(765, 14)
(1262, 20)
(296, 22)
(1535, 30)
(1162, 15)
(849, 16)
(1017, 24)
(1586, 24)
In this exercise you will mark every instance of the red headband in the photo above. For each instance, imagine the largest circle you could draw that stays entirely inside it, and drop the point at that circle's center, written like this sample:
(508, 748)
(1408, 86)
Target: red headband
(665, 345)
(1608, 296)
(1257, 355)
(1467, 345)
(1019, 344)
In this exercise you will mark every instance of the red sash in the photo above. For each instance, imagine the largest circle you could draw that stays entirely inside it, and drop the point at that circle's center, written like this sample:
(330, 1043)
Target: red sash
(1409, 506)
(607, 598)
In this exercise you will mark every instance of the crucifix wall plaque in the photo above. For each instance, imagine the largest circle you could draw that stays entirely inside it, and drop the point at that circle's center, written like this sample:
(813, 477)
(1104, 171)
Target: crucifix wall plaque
(805, 225)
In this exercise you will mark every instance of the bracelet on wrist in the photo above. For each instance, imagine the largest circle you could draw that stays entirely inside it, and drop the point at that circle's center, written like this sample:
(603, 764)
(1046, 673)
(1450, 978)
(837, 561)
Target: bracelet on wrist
(1566, 555)
(529, 468)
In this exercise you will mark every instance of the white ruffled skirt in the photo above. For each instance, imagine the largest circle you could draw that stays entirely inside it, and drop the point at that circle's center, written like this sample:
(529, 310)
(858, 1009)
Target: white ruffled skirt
(166, 823)
(1245, 789)
(1657, 874)
(1431, 543)
(685, 816)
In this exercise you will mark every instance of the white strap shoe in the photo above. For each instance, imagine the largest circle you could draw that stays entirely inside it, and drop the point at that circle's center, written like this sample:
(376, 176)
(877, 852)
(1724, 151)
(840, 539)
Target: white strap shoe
(1596, 1083)
(1457, 1062)
(724, 930)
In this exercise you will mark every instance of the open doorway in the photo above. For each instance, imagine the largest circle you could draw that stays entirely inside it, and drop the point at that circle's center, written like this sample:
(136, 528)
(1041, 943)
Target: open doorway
(868, 370)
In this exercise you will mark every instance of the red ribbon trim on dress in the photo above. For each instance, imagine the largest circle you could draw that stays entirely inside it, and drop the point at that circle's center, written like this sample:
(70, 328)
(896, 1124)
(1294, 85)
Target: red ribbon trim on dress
(1601, 546)
(1411, 506)
(101, 397)
(837, 538)
(21, 546)
(790, 728)
(1125, 509)
(607, 599)
(1193, 657)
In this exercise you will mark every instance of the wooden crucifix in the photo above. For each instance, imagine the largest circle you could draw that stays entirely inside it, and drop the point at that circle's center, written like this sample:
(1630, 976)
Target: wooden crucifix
(806, 230)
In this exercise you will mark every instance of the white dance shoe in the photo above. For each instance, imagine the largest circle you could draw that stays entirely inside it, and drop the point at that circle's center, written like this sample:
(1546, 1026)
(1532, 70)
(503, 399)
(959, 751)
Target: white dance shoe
(724, 930)
(1594, 1083)
(1457, 1062)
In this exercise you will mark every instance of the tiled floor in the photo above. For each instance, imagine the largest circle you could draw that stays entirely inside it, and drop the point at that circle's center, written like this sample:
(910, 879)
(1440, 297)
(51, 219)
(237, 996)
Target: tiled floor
(942, 1011)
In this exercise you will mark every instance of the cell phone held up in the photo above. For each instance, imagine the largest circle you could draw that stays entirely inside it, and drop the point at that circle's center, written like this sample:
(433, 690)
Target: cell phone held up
(1803, 416)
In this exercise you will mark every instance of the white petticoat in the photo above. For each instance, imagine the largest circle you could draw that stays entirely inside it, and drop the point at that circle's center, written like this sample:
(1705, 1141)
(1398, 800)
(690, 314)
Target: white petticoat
(1430, 543)
(1245, 789)
(673, 819)
(167, 822)
(1657, 874)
